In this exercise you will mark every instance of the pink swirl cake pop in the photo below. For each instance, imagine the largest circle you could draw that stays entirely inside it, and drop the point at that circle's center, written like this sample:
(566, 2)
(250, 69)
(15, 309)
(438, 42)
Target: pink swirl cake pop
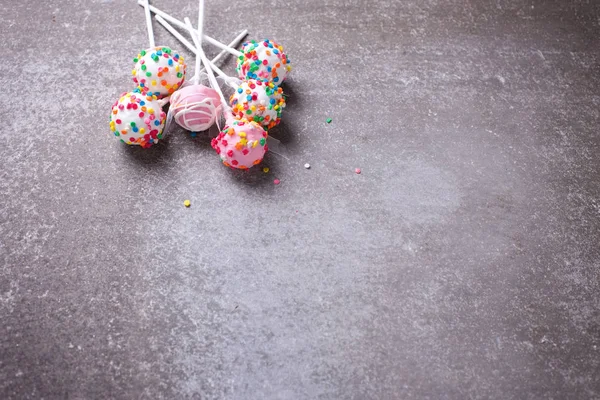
(241, 144)
(137, 119)
(195, 107)
(264, 61)
(259, 102)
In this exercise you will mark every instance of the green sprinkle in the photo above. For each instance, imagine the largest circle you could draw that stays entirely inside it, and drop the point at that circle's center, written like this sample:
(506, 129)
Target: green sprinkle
(262, 141)
(329, 120)
(135, 60)
(143, 52)
(132, 124)
(179, 74)
(144, 67)
(148, 74)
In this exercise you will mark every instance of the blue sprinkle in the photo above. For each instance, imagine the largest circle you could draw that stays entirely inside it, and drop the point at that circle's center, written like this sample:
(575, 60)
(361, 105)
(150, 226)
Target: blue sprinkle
(142, 103)
(159, 53)
(170, 62)
(272, 101)
(156, 122)
(135, 129)
(276, 79)
(275, 51)
(249, 97)
(269, 68)
(193, 134)
(240, 90)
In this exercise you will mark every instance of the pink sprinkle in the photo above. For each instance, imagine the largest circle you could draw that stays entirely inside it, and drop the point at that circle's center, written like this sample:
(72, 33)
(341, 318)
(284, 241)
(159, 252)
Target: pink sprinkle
(357, 170)
(277, 181)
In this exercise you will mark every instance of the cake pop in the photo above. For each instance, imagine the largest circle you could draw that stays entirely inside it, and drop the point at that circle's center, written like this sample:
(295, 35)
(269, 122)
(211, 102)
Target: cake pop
(158, 70)
(258, 101)
(264, 61)
(137, 119)
(241, 144)
(195, 107)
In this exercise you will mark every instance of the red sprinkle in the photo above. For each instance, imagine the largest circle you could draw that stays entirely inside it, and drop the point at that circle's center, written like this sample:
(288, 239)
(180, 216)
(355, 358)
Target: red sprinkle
(276, 181)
(357, 170)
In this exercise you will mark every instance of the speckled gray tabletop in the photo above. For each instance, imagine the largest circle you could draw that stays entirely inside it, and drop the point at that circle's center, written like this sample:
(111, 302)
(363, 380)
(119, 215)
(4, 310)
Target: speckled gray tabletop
(463, 262)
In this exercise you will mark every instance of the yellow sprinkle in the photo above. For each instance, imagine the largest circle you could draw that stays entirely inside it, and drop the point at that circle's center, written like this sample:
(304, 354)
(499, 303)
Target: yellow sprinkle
(242, 134)
(253, 108)
(187, 203)
(151, 110)
(177, 68)
(276, 107)
(254, 144)
(243, 141)
(142, 130)
(153, 83)
(266, 170)
(133, 72)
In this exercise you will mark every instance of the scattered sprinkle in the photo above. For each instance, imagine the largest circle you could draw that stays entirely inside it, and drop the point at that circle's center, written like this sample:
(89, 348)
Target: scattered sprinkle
(266, 170)
(357, 170)
(329, 120)
(277, 181)
(307, 166)
(193, 134)
(187, 203)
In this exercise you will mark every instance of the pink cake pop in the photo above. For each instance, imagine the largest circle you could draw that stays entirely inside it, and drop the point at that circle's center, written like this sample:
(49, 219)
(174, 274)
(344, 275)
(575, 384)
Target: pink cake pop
(240, 144)
(195, 107)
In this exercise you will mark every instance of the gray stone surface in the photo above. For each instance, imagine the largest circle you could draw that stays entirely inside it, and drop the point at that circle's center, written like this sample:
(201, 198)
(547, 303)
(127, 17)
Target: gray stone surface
(463, 262)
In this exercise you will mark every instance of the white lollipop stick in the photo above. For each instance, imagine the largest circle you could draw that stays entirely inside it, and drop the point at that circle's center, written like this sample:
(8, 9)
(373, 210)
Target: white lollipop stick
(149, 23)
(177, 22)
(192, 48)
(200, 30)
(211, 75)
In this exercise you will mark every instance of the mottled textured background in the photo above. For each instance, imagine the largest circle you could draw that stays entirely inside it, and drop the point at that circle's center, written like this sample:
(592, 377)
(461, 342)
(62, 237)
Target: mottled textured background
(464, 262)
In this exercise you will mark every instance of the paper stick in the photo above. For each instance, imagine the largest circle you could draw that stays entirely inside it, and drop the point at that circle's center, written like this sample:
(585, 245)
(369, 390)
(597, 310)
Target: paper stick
(177, 22)
(200, 30)
(191, 47)
(149, 23)
(211, 75)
